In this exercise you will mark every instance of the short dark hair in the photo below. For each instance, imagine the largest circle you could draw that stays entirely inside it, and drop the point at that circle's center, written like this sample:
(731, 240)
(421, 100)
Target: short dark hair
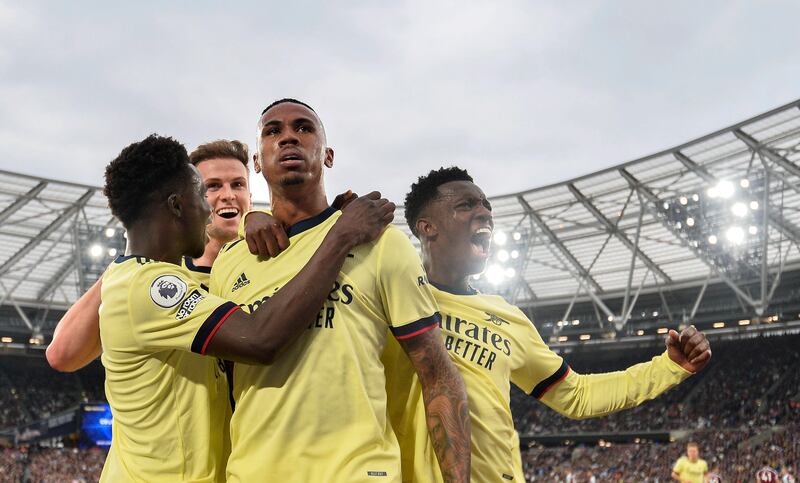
(285, 100)
(144, 172)
(426, 189)
(221, 148)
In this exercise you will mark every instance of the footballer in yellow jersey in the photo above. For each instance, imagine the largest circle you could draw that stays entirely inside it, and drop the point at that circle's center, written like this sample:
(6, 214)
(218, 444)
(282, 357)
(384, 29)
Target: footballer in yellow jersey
(318, 412)
(170, 403)
(493, 343)
(690, 468)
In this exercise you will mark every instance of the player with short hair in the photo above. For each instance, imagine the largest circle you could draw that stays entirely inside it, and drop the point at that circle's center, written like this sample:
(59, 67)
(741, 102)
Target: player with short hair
(157, 323)
(690, 468)
(493, 343)
(223, 165)
(767, 474)
(324, 400)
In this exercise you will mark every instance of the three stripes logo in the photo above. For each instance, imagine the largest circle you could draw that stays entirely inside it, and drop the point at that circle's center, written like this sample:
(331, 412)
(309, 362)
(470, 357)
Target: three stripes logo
(240, 282)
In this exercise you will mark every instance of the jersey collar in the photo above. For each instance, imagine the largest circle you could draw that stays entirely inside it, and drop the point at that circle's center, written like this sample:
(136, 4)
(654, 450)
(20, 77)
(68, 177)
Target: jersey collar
(310, 223)
(194, 268)
(453, 290)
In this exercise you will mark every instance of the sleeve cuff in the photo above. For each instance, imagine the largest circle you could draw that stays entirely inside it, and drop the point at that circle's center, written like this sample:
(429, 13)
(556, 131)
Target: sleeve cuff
(672, 367)
(211, 325)
(541, 389)
(415, 328)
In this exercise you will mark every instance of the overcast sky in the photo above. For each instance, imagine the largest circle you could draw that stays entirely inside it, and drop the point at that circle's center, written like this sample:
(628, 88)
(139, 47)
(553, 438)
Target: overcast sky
(522, 94)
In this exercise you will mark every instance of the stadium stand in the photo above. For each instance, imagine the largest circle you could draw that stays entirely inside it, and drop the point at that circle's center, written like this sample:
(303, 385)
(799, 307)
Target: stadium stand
(705, 233)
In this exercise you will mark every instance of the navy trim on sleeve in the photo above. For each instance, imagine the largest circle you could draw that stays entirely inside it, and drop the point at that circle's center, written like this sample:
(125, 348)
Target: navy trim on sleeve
(416, 328)
(231, 245)
(551, 381)
(210, 326)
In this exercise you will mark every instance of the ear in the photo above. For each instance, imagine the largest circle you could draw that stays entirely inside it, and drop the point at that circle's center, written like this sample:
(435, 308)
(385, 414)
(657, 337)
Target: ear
(256, 163)
(329, 157)
(175, 205)
(250, 205)
(426, 228)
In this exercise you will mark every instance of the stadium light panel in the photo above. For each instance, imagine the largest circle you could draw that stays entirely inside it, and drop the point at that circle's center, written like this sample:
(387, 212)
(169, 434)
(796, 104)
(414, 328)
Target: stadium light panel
(112, 252)
(662, 330)
(683, 200)
(611, 318)
(690, 221)
(477, 276)
(6, 340)
(719, 325)
(517, 235)
(500, 238)
(655, 313)
(744, 322)
(739, 209)
(735, 234)
(510, 272)
(752, 230)
(695, 197)
(576, 322)
(754, 205)
(514, 254)
(712, 239)
(585, 337)
(503, 255)
(110, 232)
(666, 205)
(563, 338)
(639, 332)
(744, 183)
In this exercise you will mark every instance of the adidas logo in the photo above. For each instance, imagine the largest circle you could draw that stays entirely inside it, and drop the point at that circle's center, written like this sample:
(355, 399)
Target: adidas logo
(240, 282)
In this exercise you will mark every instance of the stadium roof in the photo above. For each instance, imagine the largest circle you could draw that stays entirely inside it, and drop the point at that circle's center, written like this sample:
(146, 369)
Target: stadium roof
(607, 234)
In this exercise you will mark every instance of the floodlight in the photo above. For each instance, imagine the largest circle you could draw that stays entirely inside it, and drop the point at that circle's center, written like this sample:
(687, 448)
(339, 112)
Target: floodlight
(690, 221)
(514, 254)
(752, 230)
(517, 235)
(678, 225)
(112, 252)
(110, 232)
(712, 239)
(695, 197)
(725, 189)
(95, 250)
(735, 234)
(666, 205)
(754, 205)
(502, 255)
(495, 274)
(576, 322)
(477, 276)
(500, 237)
(510, 272)
(739, 209)
(683, 200)
(744, 183)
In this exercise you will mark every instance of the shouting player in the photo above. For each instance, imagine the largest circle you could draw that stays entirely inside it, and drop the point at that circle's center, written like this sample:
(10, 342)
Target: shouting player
(157, 323)
(493, 343)
(318, 412)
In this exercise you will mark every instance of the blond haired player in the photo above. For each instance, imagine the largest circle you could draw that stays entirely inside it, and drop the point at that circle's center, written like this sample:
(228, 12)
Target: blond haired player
(690, 468)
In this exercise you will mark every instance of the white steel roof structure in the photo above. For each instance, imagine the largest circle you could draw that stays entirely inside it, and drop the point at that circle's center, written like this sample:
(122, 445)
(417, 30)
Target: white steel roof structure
(611, 234)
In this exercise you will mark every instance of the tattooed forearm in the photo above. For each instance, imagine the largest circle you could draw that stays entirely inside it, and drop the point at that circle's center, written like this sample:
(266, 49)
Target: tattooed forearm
(445, 404)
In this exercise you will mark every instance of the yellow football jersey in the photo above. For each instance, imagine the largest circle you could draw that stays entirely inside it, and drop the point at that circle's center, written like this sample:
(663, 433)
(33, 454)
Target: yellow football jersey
(318, 413)
(168, 401)
(691, 472)
(201, 274)
(493, 344)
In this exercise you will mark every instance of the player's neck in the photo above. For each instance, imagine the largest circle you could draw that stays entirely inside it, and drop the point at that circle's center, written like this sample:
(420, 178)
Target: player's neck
(212, 249)
(154, 241)
(441, 274)
(291, 206)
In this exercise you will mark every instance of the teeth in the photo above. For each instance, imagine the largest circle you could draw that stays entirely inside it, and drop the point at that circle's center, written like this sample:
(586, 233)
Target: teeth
(223, 211)
(481, 231)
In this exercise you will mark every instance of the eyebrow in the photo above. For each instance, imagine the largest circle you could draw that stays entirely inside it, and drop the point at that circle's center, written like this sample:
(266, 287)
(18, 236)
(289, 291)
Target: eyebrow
(299, 120)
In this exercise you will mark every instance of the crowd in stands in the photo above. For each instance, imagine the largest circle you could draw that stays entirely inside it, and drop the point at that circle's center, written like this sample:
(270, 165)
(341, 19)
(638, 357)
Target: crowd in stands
(744, 407)
(735, 455)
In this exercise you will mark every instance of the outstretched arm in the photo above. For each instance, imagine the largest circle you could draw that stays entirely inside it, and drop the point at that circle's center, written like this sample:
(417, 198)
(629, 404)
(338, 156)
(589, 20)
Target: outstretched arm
(76, 340)
(445, 400)
(580, 396)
